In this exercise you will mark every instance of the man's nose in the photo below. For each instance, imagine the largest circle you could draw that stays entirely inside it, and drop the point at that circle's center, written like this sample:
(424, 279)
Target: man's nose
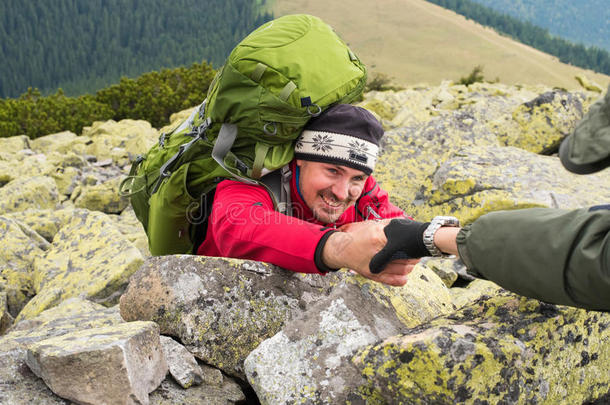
(341, 190)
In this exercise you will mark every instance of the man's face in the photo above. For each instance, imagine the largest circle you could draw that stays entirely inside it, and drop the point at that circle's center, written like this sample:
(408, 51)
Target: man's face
(329, 189)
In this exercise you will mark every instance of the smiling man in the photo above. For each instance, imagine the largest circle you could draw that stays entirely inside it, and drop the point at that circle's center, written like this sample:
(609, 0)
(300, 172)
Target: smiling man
(331, 191)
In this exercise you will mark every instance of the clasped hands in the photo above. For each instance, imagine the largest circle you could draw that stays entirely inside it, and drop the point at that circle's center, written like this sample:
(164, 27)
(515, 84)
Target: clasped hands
(385, 251)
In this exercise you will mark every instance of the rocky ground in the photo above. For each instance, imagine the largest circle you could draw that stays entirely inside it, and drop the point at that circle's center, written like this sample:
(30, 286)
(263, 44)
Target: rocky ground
(87, 316)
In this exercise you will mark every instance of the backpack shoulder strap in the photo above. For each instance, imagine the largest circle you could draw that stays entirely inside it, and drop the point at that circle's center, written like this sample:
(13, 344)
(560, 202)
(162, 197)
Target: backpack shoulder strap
(278, 184)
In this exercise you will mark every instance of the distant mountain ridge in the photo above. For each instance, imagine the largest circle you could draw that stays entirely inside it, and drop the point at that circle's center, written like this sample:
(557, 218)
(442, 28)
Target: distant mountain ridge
(82, 46)
(585, 21)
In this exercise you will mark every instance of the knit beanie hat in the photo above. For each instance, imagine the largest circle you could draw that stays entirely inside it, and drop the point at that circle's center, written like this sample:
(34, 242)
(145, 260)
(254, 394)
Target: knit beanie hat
(345, 135)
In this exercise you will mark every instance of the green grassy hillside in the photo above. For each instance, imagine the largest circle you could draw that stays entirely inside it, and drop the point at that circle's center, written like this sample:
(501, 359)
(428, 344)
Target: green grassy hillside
(414, 41)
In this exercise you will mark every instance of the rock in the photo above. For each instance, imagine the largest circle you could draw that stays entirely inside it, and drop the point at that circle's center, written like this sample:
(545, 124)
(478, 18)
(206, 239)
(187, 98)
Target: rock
(443, 268)
(6, 319)
(221, 309)
(67, 179)
(182, 364)
(475, 290)
(89, 258)
(22, 165)
(24, 387)
(211, 375)
(504, 349)
(102, 197)
(309, 359)
(134, 136)
(541, 124)
(128, 224)
(118, 364)
(19, 385)
(37, 192)
(169, 393)
(476, 181)
(14, 144)
(60, 142)
(45, 222)
(21, 246)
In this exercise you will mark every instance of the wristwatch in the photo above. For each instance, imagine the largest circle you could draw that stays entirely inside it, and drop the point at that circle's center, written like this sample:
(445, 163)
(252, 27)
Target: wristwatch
(435, 224)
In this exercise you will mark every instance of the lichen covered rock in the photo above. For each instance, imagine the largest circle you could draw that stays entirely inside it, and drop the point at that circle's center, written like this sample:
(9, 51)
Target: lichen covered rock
(504, 349)
(540, 125)
(220, 309)
(21, 247)
(476, 181)
(118, 364)
(102, 197)
(14, 144)
(72, 315)
(134, 136)
(89, 257)
(37, 192)
(309, 360)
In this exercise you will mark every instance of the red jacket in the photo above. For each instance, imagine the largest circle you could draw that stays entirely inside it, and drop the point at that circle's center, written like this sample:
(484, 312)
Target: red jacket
(244, 225)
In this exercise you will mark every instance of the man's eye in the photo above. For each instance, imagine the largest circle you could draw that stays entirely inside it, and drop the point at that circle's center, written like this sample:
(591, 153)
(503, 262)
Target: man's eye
(333, 171)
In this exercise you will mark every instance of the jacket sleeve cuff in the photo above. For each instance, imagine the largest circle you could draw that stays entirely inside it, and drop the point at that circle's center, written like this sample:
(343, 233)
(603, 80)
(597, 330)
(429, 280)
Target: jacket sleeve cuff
(322, 267)
(462, 239)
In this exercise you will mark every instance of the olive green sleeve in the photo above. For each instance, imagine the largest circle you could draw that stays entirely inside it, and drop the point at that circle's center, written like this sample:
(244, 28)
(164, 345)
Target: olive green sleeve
(557, 256)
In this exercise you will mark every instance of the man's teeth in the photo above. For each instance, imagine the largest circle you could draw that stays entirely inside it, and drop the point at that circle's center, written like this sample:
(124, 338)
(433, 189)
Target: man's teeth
(331, 203)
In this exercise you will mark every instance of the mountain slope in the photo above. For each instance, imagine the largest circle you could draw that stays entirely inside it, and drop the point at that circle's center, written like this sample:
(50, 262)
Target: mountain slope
(415, 41)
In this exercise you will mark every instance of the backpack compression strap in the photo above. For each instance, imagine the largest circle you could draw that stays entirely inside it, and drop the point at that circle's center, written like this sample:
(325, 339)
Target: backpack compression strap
(222, 146)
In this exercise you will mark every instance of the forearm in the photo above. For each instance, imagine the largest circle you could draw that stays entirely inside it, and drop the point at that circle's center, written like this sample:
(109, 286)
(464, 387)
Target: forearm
(557, 256)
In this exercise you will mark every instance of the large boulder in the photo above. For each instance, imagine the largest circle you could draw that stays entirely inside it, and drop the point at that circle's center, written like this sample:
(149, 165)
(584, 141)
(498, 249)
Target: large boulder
(38, 192)
(102, 197)
(21, 247)
(89, 257)
(118, 364)
(23, 386)
(114, 140)
(504, 349)
(60, 142)
(540, 125)
(14, 144)
(221, 309)
(309, 359)
(475, 181)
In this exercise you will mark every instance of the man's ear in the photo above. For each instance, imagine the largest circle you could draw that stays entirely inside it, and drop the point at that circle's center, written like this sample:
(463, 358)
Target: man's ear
(299, 162)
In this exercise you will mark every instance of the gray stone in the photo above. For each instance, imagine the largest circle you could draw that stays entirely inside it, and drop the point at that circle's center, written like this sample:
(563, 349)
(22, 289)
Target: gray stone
(310, 359)
(182, 364)
(170, 393)
(18, 385)
(211, 375)
(221, 309)
(118, 364)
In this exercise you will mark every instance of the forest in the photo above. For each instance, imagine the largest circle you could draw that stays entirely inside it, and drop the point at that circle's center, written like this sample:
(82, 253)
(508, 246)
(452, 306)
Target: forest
(153, 97)
(593, 58)
(82, 46)
(578, 21)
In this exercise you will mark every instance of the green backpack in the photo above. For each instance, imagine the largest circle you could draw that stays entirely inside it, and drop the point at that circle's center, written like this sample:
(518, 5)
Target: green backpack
(274, 80)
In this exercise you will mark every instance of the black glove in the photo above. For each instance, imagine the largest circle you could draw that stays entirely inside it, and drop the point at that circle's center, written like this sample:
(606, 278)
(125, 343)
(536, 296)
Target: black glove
(405, 241)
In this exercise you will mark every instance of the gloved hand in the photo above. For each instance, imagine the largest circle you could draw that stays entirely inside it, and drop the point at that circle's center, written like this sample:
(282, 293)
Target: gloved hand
(405, 241)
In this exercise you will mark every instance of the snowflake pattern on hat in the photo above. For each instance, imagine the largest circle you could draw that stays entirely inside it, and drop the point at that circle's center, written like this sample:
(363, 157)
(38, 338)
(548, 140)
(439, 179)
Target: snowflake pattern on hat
(322, 143)
(359, 148)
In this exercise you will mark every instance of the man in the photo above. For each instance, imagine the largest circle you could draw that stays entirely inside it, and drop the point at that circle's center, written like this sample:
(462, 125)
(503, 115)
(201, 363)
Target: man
(558, 256)
(331, 187)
